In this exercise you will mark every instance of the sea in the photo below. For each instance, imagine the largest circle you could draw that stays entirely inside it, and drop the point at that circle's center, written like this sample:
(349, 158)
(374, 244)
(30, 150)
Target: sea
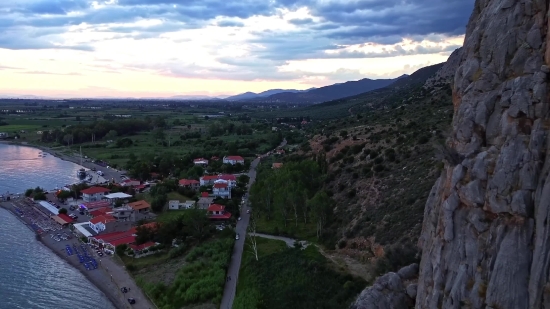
(31, 276)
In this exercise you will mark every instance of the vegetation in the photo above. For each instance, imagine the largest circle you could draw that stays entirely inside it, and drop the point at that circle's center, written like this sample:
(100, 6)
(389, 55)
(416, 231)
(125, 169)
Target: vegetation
(292, 278)
(287, 198)
(200, 280)
(37, 194)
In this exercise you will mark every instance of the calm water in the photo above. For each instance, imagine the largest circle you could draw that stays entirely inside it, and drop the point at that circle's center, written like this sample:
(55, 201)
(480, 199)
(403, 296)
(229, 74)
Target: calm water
(31, 276)
(21, 168)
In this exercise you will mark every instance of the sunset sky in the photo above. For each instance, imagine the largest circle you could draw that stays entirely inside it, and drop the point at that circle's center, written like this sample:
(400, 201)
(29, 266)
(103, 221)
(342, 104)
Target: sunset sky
(161, 48)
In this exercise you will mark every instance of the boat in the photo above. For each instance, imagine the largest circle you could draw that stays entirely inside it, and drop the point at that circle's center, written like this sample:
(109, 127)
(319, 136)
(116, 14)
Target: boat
(81, 173)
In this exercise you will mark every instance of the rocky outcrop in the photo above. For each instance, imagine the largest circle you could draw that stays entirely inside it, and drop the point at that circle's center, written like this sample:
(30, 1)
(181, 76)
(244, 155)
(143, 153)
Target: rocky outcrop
(390, 291)
(486, 236)
(446, 73)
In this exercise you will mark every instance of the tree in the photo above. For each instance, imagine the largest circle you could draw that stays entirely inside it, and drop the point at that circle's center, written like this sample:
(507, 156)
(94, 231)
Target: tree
(112, 134)
(63, 211)
(158, 134)
(251, 235)
(321, 206)
(64, 194)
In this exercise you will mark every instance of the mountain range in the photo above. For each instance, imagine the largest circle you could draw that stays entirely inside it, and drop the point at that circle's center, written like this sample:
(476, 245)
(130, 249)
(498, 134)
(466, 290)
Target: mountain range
(311, 95)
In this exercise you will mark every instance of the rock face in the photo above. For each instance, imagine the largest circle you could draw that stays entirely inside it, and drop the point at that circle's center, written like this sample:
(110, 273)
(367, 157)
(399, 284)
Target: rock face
(486, 236)
(390, 291)
(446, 74)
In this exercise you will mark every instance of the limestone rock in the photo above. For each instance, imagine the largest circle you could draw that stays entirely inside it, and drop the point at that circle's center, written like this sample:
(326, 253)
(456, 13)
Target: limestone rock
(387, 292)
(408, 272)
(491, 248)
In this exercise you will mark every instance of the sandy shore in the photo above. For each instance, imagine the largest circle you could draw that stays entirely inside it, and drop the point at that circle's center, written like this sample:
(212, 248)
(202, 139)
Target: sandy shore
(99, 277)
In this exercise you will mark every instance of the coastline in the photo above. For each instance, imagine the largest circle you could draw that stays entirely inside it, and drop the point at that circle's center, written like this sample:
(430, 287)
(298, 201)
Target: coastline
(105, 286)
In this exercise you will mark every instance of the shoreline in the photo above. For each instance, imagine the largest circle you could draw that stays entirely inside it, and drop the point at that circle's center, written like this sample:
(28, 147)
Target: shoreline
(111, 295)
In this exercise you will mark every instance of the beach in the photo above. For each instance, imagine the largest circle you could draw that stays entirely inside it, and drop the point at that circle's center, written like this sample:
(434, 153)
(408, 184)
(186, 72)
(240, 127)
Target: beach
(109, 277)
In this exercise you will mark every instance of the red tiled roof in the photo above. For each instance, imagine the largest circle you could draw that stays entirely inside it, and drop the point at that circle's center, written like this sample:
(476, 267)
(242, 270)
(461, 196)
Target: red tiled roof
(95, 190)
(98, 204)
(188, 182)
(65, 218)
(123, 241)
(99, 212)
(108, 237)
(236, 158)
(215, 158)
(103, 218)
(225, 216)
(220, 185)
(139, 205)
(209, 177)
(140, 187)
(216, 207)
(150, 225)
(204, 194)
(200, 159)
(143, 246)
(227, 177)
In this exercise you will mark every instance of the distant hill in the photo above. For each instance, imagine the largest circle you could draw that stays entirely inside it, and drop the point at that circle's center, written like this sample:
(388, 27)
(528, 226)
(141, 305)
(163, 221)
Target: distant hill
(333, 92)
(252, 95)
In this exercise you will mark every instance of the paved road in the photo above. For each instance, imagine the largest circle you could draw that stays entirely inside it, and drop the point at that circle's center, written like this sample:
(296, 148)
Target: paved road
(289, 241)
(235, 264)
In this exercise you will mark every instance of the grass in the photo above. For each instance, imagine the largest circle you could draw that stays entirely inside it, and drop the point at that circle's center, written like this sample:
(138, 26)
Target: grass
(169, 215)
(275, 227)
(155, 259)
(176, 196)
(292, 278)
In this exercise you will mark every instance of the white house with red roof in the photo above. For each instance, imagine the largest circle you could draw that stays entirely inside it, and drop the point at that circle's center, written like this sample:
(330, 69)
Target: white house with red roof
(211, 179)
(200, 161)
(99, 223)
(217, 212)
(93, 194)
(190, 183)
(233, 160)
(221, 188)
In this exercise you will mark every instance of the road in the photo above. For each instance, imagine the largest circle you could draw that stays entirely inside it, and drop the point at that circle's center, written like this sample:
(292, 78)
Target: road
(289, 241)
(235, 264)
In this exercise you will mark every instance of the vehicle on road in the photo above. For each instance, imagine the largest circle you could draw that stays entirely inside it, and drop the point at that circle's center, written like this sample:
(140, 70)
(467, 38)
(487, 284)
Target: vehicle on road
(100, 173)
(248, 211)
(131, 301)
(239, 219)
(237, 237)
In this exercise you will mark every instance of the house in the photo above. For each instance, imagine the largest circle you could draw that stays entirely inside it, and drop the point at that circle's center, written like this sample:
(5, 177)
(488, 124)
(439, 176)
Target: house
(4, 135)
(130, 183)
(280, 151)
(123, 213)
(93, 194)
(99, 224)
(99, 212)
(276, 165)
(304, 122)
(190, 183)
(211, 179)
(110, 241)
(233, 160)
(200, 161)
(221, 189)
(140, 206)
(177, 205)
(208, 180)
(204, 202)
(214, 158)
(217, 212)
(114, 197)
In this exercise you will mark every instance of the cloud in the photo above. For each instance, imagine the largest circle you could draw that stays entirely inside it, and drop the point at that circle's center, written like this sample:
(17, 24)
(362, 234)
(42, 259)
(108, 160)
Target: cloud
(48, 73)
(230, 23)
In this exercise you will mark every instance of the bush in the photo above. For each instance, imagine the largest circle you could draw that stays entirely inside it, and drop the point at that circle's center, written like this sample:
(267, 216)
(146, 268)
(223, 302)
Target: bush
(176, 252)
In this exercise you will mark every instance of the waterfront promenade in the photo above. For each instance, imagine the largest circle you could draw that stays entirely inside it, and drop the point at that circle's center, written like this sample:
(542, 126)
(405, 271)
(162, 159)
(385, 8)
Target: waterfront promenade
(109, 277)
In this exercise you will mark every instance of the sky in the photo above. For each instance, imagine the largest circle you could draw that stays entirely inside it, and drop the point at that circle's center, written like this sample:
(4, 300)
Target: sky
(163, 48)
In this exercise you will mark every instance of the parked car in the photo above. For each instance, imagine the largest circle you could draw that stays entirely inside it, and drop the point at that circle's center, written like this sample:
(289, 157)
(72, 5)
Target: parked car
(131, 301)
(237, 237)
(239, 219)
(248, 211)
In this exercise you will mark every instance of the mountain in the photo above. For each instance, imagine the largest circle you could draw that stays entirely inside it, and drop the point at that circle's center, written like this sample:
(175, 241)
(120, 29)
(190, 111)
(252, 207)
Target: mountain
(252, 95)
(333, 92)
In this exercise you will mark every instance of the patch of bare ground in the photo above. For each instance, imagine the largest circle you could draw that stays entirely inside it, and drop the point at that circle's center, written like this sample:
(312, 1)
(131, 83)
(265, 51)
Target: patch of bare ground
(162, 272)
(348, 262)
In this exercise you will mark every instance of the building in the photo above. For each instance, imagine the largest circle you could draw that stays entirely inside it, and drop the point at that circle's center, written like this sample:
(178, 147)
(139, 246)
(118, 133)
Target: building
(200, 161)
(130, 183)
(190, 183)
(140, 206)
(89, 206)
(62, 219)
(109, 241)
(93, 194)
(177, 205)
(276, 165)
(114, 197)
(123, 213)
(217, 212)
(221, 189)
(99, 224)
(204, 202)
(233, 160)
(211, 179)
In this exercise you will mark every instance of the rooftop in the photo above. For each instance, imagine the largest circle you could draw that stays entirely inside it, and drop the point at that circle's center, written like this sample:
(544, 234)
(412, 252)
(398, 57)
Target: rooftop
(117, 195)
(139, 205)
(103, 218)
(187, 182)
(216, 207)
(235, 158)
(95, 190)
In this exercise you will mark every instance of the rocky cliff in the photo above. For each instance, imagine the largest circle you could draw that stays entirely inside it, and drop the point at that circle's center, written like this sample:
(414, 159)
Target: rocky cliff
(446, 74)
(485, 239)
